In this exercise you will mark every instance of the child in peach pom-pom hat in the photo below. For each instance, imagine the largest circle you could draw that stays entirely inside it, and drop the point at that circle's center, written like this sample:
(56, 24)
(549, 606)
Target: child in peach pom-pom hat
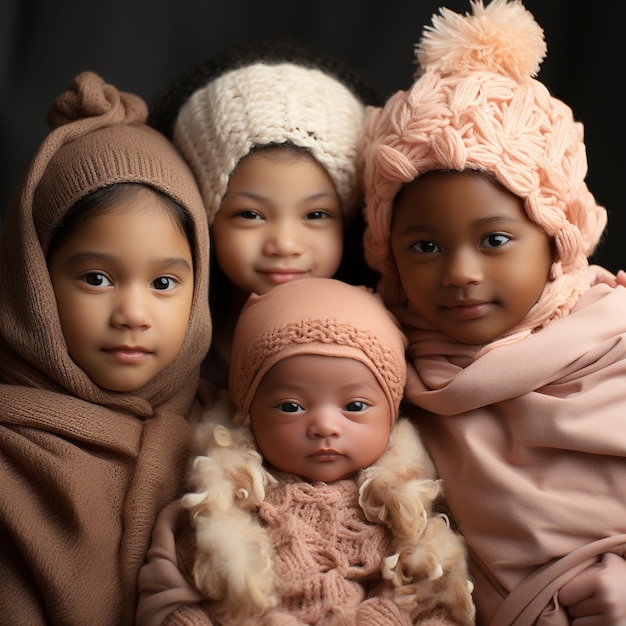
(481, 223)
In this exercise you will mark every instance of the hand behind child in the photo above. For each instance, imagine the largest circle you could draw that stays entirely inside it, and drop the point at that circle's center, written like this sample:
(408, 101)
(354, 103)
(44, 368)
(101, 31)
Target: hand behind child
(597, 597)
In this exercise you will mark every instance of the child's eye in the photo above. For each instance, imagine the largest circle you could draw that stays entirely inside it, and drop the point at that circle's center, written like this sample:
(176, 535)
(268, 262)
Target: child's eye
(249, 215)
(289, 407)
(317, 215)
(96, 279)
(495, 240)
(163, 283)
(425, 247)
(356, 406)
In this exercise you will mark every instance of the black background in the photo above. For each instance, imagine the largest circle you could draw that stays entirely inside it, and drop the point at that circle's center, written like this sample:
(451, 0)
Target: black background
(140, 45)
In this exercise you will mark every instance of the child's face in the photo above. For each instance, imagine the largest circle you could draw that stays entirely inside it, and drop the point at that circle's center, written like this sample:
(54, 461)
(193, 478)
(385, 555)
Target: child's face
(124, 286)
(280, 220)
(469, 259)
(322, 418)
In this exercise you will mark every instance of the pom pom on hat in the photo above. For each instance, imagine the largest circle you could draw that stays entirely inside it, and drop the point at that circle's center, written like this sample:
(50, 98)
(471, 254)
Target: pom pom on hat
(99, 138)
(502, 38)
(320, 316)
(273, 99)
(475, 105)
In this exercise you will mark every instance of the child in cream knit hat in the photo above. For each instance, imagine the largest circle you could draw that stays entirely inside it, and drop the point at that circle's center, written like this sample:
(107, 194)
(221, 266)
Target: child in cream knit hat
(319, 508)
(104, 323)
(270, 131)
(480, 222)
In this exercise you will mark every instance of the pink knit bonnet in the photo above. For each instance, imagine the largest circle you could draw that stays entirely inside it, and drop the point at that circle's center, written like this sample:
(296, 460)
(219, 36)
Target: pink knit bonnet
(476, 105)
(320, 316)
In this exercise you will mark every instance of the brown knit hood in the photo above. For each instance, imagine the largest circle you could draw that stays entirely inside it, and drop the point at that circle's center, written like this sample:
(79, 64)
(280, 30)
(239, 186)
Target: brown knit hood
(99, 137)
(84, 471)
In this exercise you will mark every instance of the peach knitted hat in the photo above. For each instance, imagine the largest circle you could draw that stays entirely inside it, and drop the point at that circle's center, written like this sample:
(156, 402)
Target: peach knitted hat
(476, 105)
(320, 316)
(270, 101)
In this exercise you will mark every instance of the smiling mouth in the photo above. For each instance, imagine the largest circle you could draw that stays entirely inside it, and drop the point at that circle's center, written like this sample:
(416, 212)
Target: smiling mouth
(279, 276)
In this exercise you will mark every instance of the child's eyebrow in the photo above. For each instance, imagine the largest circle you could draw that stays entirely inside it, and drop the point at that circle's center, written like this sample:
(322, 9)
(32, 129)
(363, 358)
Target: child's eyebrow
(483, 221)
(258, 196)
(95, 257)
(498, 219)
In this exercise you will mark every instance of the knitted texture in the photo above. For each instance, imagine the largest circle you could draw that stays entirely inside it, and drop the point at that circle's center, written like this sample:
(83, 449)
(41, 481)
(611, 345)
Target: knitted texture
(99, 138)
(263, 104)
(324, 553)
(477, 106)
(316, 316)
(84, 471)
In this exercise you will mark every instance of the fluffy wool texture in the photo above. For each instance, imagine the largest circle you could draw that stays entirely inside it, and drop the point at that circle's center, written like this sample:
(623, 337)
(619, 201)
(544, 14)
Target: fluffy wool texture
(84, 471)
(266, 541)
(477, 106)
(270, 103)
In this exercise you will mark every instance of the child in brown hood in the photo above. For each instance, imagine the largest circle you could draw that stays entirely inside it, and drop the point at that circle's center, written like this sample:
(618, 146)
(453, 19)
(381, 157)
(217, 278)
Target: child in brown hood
(103, 325)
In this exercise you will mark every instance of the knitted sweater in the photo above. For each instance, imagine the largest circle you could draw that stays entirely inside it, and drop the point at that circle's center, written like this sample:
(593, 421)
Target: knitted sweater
(335, 550)
(327, 556)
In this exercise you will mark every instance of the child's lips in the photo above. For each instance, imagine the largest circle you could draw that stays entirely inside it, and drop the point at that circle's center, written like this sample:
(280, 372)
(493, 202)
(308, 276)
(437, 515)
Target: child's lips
(128, 355)
(279, 276)
(469, 309)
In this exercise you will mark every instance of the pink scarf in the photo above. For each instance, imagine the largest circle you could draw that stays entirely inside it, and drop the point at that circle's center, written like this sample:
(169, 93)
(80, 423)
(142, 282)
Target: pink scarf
(530, 441)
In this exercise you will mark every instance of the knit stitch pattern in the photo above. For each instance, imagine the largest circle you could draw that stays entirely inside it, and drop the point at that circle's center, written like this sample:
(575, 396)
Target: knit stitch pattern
(325, 332)
(265, 104)
(324, 552)
(477, 106)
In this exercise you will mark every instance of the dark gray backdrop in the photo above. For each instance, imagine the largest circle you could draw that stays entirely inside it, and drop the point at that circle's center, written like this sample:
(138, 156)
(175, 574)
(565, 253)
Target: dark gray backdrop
(139, 45)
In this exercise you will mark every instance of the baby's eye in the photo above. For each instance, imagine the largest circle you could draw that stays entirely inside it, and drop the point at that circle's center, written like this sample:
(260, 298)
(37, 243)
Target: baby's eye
(425, 247)
(96, 279)
(356, 406)
(163, 283)
(289, 407)
(495, 240)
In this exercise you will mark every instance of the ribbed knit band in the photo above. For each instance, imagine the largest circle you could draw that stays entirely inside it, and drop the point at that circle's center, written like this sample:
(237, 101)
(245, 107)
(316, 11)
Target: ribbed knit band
(103, 158)
(320, 316)
(262, 104)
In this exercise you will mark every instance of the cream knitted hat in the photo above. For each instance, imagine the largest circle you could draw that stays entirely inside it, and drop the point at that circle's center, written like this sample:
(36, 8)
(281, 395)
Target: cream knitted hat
(316, 316)
(270, 103)
(476, 105)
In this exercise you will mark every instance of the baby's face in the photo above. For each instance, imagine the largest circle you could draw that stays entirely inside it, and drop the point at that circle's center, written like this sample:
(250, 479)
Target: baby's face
(280, 220)
(470, 261)
(322, 418)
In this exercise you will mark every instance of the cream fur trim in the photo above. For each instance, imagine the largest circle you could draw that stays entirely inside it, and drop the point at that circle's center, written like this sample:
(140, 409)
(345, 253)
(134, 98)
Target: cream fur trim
(233, 564)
